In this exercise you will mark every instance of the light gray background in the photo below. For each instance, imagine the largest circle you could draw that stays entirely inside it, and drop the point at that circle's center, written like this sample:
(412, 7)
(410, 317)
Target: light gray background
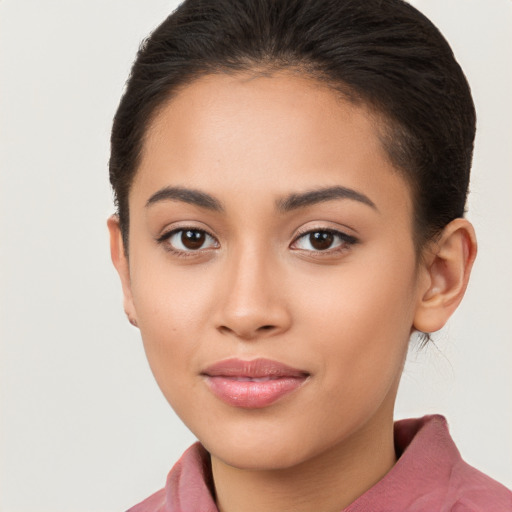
(83, 426)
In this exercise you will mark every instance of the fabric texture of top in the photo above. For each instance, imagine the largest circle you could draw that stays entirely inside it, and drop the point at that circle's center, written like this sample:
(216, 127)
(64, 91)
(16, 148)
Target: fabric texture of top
(429, 476)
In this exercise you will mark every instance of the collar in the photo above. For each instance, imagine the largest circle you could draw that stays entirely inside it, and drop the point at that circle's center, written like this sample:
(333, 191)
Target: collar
(428, 475)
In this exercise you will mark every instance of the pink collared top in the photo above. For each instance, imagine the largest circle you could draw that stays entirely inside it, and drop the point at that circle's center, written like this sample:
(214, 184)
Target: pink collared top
(429, 476)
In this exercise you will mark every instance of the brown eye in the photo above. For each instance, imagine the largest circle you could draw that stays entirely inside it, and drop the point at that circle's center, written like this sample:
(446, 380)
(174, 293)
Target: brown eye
(193, 239)
(321, 240)
(188, 240)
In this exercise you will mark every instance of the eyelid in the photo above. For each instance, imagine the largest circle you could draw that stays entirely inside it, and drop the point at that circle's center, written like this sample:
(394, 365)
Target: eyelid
(313, 228)
(183, 226)
(163, 239)
(348, 240)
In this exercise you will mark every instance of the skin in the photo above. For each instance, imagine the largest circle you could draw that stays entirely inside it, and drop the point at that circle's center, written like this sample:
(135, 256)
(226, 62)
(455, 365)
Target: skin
(259, 288)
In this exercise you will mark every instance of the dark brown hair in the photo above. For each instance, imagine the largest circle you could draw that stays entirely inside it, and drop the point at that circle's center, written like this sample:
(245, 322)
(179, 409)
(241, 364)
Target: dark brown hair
(383, 53)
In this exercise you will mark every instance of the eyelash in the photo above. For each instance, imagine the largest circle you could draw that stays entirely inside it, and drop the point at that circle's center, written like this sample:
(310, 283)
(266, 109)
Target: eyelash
(346, 242)
(164, 240)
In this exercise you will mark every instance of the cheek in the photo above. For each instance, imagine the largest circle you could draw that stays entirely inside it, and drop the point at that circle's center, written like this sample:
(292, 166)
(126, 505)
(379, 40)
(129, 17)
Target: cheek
(173, 307)
(361, 320)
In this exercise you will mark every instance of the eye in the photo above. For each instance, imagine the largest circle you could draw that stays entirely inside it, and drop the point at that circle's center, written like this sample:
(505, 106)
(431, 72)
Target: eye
(188, 240)
(319, 240)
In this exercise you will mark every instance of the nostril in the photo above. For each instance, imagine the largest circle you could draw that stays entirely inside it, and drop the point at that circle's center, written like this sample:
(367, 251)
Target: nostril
(248, 332)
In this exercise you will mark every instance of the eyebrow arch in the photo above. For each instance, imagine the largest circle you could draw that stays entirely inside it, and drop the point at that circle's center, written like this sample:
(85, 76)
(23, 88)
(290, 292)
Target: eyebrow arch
(186, 195)
(311, 197)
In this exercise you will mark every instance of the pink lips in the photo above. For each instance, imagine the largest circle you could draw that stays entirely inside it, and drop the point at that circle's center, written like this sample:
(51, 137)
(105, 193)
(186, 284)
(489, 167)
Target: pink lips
(252, 384)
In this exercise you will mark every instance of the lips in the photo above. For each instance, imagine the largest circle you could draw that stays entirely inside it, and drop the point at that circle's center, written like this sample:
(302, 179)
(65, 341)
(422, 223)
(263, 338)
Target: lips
(252, 384)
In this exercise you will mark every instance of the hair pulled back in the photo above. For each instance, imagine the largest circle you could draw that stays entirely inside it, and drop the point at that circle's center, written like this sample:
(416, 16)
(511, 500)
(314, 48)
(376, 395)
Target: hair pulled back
(383, 53)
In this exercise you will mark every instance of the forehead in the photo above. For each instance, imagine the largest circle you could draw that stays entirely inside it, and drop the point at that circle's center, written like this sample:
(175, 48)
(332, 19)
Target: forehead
(269, 134)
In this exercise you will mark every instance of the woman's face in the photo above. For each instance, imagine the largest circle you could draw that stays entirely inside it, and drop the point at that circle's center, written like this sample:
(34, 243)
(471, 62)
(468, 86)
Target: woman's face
(267, 223)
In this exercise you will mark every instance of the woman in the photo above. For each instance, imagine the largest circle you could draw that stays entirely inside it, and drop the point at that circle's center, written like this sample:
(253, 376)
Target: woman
(291, 179)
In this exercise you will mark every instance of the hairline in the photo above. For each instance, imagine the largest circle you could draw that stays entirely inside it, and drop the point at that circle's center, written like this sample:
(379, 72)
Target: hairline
(388, 129)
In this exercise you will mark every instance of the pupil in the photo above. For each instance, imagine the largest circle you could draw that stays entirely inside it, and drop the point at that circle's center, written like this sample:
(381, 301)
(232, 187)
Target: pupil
(192, 239)
(321, 240)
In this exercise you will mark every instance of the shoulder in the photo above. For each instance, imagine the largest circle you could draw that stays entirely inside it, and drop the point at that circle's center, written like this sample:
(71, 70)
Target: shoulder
(430, 475)
(459, 486)
(471, 490)
(455, 485)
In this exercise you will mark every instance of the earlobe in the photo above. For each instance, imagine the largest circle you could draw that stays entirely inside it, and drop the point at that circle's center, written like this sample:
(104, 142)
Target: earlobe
(120, 261)
(447, 267)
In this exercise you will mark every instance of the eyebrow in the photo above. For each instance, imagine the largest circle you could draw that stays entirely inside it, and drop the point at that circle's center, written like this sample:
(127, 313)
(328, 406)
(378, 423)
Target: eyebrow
(287, 204)
(186, 195)
(311, 197)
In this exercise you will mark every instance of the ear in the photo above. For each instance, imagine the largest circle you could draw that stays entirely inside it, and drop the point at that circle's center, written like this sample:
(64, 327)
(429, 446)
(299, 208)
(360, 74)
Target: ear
(446, 268)
(120, 261)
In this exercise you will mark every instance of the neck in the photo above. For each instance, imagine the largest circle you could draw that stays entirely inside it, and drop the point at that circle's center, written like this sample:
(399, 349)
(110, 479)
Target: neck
(346, 471)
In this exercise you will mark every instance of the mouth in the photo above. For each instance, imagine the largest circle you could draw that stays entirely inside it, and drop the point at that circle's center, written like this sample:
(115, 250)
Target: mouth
(252, 384)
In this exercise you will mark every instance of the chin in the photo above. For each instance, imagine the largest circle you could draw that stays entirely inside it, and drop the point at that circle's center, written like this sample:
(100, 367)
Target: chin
(262, 459)
(259, 452)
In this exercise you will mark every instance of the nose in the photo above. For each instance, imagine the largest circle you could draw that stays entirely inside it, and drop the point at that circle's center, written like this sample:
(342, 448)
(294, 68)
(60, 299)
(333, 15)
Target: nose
(252, 300)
